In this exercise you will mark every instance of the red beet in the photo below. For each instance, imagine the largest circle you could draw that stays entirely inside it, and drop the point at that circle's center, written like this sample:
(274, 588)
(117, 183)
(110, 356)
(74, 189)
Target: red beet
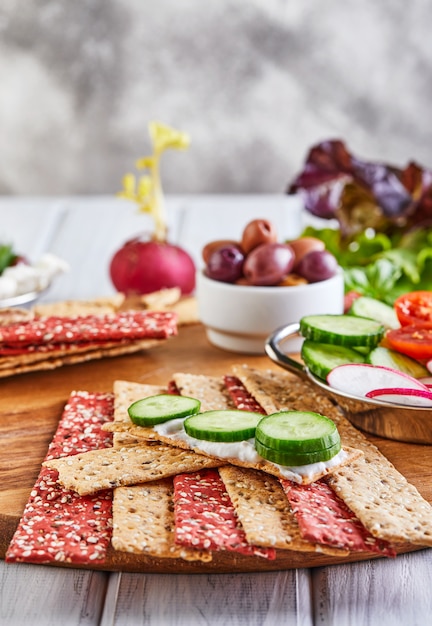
(141, 267)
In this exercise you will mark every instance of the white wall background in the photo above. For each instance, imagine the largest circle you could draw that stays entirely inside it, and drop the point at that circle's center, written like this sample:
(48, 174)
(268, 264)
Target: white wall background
(254, 82)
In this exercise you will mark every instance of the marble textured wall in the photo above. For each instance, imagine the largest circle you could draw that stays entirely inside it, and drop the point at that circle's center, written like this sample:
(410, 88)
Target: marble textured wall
(255, 83)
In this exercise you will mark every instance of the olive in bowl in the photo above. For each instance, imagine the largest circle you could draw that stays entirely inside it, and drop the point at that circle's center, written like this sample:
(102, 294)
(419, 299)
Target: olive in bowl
(245, 292)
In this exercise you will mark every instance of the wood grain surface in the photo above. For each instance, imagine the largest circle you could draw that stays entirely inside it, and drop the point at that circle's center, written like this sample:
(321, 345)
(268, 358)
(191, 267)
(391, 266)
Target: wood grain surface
(31, 406)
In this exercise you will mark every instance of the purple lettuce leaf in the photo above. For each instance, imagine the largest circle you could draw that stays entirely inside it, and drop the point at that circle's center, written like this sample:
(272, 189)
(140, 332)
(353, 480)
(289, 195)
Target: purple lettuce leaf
(335, 184)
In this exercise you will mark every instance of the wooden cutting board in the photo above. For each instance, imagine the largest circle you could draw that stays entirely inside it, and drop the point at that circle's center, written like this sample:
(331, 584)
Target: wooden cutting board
(31, 406)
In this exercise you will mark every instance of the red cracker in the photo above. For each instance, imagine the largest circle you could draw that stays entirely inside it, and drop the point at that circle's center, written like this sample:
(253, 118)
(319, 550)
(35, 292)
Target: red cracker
(324, 518)
(90, 328)
(205, 517)
(58, 525)
(241, 397)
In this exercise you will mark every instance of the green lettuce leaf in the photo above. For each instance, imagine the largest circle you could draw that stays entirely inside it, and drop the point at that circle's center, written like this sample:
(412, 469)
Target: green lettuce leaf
(381, 267)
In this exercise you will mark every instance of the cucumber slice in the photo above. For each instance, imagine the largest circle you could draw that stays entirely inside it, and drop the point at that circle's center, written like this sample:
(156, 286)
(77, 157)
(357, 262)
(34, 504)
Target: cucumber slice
(294, 459)
(364, 350)
(375, 310)
(162, 408)
(321, 358)
(342, 330)
(225, 426)
(299, 432)
(398, 361)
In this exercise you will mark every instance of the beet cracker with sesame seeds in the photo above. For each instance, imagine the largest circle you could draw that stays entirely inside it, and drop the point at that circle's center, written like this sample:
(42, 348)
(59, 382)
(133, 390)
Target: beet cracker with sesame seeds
(205, 517)
(90, 328)
(57, 525)
(48, 342)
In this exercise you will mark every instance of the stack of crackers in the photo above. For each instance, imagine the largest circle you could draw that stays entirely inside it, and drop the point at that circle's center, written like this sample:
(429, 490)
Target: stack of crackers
(62, 333)
(153, 496)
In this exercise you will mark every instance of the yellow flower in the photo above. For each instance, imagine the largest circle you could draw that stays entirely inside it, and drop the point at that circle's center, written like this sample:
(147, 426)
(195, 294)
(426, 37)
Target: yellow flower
(129, 185)
(147, 192)
(164, 137)
(145, 163)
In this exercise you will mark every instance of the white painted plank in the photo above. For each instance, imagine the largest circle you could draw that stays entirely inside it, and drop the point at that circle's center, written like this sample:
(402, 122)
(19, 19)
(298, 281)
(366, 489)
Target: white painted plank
(304, 597)
(28, 224)
(385, 592)
(269, 599)
(36, 595)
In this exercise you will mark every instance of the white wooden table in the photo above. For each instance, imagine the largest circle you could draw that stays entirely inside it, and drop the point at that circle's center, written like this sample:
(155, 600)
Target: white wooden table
(386, 592)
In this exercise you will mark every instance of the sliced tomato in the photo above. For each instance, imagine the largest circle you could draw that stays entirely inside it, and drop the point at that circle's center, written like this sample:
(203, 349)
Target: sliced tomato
(414, 341)
(414, 308)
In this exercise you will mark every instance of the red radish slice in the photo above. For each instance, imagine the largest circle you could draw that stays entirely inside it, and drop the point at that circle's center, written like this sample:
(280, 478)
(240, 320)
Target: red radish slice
(410, 397)
(429, 365)
(426, 380)
(360, 378)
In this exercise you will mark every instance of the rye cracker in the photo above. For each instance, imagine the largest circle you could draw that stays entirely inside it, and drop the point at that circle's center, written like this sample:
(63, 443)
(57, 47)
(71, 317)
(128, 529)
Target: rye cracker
(66, 351)
(159, 300)
(143, 522)
(125, 393)
(26, 363)
(93, 471)
(186, 310)
(74, 308)
(210, 390)
(15, 315)
(380, 496)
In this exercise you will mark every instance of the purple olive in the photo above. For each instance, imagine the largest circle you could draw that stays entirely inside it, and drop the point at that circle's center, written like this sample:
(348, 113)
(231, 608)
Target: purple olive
(225, 264)
(268, 263)
(210, 247)
(317, 265)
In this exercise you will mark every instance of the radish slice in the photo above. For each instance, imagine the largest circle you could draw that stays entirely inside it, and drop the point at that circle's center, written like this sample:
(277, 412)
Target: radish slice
(426, 380)
(429, 365)
(411, 397)
(358, 379)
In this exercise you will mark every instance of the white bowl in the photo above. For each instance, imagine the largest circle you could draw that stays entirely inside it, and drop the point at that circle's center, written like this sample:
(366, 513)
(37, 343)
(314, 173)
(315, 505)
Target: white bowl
(240, 318)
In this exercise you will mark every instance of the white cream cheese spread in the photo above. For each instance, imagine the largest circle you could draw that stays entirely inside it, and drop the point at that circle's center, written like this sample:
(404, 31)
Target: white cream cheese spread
(243, 451)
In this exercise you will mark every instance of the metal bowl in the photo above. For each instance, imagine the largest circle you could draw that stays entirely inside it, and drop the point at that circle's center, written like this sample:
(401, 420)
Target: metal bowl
(24, 299)
(385, 419)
